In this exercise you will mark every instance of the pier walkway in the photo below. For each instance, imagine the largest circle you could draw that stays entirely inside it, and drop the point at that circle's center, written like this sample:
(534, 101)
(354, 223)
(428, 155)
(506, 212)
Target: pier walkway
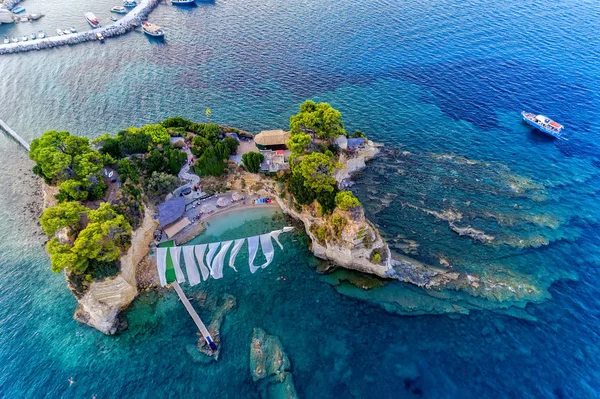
(129, 22)
(14, 135)
(194, 316)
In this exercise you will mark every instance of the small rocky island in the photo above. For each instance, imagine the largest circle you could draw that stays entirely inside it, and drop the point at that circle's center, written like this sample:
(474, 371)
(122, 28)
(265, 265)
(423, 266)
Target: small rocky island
(102, 202)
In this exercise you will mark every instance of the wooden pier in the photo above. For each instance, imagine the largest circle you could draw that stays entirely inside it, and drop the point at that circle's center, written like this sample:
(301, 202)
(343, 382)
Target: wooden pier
(194, 316)
(14, 135)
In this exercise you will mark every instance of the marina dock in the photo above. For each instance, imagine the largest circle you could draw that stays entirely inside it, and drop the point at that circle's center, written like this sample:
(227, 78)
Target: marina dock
(194, 315)
(129, 22)
(14, 135)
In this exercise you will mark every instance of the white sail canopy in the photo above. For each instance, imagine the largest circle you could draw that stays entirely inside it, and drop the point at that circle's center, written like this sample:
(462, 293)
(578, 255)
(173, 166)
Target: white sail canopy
(267, 248)
(252, 250)
(212, 265)
(200, 250)
(190, 265)
(217, 266)
(212, 251)
(175, 251)
(161, 265)
(234, 251)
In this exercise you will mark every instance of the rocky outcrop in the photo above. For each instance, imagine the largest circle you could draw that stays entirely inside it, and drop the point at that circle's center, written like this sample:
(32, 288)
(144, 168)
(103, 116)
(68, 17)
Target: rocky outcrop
(270, 366)
(101, 305)
(346, 239)
(354, 163)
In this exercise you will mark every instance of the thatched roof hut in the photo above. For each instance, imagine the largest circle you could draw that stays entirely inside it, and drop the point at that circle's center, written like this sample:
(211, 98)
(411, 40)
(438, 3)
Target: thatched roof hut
(272, 139)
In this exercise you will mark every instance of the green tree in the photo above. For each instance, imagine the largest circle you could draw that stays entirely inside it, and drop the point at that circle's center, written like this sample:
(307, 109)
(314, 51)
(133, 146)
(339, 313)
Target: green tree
(327, 201)
(158, 133)
(60, 156)
(160, 184)
(66, 214)
(345, 200)
(358, 134)
(317, 170)
(302, 193)
(320, 119)
(104, 237)
(133, 141)
(176, 122)
(252, 161)
(128, 170)
(63, 257)
(199, 145)
(298, 143)
(232, 144)
(212, 162)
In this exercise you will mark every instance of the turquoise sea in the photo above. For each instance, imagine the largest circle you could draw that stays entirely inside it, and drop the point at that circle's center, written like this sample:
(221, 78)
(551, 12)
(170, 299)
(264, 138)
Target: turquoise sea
(441, 84)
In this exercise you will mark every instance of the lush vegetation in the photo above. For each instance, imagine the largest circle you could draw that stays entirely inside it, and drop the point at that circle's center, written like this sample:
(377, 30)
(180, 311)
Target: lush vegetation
(252, 161)
(313, 158)
(102, 238)
(70, 163)
(319, 120)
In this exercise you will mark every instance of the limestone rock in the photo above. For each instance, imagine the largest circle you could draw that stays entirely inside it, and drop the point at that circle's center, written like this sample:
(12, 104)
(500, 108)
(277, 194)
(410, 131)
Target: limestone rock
(101, 305)
(270, 366)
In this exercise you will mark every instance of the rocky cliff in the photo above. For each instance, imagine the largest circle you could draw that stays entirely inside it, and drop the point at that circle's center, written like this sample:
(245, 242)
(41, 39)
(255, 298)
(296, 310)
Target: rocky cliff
(102, 303)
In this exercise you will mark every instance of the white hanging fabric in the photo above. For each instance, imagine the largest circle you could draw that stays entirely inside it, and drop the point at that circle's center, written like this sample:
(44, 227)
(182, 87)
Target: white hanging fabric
(200, 250)
(275, 235)
(267, 248)
(234, 251)
(217, 265)
(175, 251)
(190, 265)
(252, 249)
(161, 265)
(212, 251)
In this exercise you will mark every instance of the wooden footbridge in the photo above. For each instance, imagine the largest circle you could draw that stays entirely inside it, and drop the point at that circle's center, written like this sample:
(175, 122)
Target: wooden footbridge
(14, 135)
(194, 315)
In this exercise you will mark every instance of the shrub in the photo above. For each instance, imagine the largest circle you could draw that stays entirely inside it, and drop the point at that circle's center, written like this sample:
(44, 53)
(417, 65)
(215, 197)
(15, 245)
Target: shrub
(375, 257)
(176, 122)
(345, 200)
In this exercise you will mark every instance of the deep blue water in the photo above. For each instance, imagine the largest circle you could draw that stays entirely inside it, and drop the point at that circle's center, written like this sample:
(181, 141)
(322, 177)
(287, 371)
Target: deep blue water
(438, 82)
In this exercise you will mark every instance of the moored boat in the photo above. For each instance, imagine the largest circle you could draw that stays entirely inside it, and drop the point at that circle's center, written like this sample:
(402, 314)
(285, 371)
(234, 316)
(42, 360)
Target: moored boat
(33, 36)
(543, 124)
(66, 31)
(183, 2)
(92, 20)
(24, 38)
(41, 34)
(6, 40)
(99, 36)
(15, 40)
(118, 10)
(73, 30)
(59, 32)
(114, 19)
(153, 30)
(129, 3)
(18, 10)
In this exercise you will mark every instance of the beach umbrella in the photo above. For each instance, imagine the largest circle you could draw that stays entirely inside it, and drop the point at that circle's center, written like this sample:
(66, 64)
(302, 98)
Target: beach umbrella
(207, 208)
(222, 201)
(237, 196)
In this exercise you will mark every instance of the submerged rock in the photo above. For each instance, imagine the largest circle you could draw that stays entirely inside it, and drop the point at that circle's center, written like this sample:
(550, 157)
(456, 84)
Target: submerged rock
(270, 366)
(228, 302)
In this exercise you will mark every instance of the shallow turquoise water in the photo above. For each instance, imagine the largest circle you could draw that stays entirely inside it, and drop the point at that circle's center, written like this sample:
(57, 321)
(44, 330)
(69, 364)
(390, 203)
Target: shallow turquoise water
(427, 78)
